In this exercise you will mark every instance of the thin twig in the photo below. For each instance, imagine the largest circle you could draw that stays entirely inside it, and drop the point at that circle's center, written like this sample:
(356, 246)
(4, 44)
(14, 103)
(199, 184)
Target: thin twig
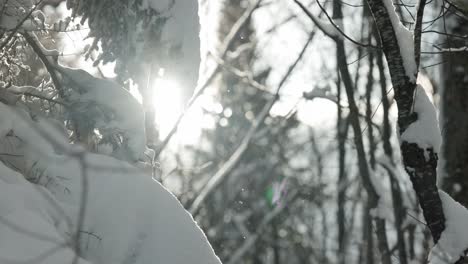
(227, 166)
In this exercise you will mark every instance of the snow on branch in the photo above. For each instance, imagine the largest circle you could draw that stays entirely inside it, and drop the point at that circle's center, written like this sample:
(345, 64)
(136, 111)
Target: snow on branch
(125, 112)
(425, 130)
(405, 40)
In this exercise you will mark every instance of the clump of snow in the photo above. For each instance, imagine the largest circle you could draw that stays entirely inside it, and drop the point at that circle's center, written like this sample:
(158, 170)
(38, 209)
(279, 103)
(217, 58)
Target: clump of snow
(454, 240)
(126, 113)
(405, 40)
(425, 131)
(128, 217)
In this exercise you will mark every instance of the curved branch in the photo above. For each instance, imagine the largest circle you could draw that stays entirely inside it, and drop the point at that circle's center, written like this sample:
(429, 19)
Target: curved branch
(418, 32)
(32, 40)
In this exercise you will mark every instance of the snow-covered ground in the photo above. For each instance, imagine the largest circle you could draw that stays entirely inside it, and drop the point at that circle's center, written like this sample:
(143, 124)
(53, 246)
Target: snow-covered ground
(120, 213)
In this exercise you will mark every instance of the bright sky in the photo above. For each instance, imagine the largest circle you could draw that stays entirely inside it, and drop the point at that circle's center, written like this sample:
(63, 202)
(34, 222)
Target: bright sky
(288, 41)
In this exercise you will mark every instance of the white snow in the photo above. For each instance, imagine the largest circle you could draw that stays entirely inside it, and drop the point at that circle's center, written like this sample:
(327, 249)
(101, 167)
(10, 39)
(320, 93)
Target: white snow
(405, 40)
(29, 223)
(128, 217)
(133, 216)
(454, 239)
(459, 49)
(425, 131)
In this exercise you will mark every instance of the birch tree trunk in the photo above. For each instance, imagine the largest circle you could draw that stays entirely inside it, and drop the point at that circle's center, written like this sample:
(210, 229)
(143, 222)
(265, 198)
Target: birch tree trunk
(422, 170)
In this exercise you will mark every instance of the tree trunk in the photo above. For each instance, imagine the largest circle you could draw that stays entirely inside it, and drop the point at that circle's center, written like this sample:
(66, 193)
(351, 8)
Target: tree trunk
(455, 118)
(422, 171)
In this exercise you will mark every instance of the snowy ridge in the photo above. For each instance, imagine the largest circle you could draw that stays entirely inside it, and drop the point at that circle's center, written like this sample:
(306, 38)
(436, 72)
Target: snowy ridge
(425, 131)
(128, 217)
(454, 239)
(405, 40)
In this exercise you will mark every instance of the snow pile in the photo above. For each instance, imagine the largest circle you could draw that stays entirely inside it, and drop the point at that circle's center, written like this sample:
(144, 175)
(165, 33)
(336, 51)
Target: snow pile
(33, 231)
(127, 217)
(123, 113)
(405, 40)
(454, 240)
(425, 131)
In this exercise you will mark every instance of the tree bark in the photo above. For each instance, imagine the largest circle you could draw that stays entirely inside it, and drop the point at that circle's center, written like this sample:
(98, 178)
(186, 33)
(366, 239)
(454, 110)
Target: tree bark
(372, 195)
(422, 171)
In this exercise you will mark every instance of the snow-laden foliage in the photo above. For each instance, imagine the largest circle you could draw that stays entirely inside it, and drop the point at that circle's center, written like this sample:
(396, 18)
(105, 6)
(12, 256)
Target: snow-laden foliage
(122, 39)
(115, 110)
(425, 131)
(454, 239)
(117, 213)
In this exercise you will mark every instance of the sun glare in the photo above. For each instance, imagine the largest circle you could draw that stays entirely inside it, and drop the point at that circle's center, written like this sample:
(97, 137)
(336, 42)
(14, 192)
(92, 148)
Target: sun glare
(168, 102)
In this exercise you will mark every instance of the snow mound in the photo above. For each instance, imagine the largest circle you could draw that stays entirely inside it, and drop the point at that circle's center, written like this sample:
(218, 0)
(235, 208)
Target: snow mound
(129, 218)
(454, 240)
(33, 231)
(118, 213)
(425, 131)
